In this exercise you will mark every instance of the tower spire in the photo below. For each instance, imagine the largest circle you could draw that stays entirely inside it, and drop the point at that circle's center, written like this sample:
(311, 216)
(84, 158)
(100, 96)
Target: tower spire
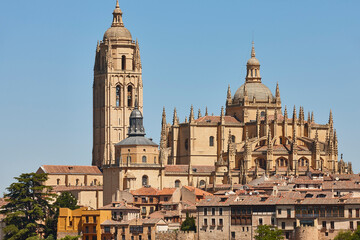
(229, 93)
(199, 113)
(277, 94)
(206, 112)
(191, 117)
(175, 119)
(117, 16)
(252, 49)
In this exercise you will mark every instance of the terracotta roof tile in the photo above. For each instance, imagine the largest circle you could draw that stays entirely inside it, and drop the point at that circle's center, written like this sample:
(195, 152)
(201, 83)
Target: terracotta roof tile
(144, 191)
(166, 191)
(67, 169)
(198, 192)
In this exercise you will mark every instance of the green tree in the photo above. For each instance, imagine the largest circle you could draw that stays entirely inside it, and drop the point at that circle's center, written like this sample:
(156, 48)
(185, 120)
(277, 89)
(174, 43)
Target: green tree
(348, 235)
(64, 200)
(188, 224)
(267, 232)
(27, 206)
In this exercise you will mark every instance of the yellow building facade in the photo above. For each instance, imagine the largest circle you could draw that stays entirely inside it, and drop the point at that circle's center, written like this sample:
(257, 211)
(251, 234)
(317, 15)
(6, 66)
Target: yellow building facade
(81, 222)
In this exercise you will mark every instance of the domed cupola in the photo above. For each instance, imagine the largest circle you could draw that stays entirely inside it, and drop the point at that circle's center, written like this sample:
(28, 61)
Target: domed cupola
(136, 122)
(253, 67)
(253, 89)
(117, 31)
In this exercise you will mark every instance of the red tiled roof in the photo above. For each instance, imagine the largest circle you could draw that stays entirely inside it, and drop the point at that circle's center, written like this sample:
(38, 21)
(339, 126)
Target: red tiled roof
(198, 192)
(144, 191)
(76, 188)
(216, 119)
(64, 169)
(119, 206)
(177, 168)
(166, 191)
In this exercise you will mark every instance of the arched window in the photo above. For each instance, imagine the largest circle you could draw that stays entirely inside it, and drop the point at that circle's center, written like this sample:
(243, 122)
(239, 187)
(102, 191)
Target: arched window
(202, 183)
(77, 182)
(129, 96)
(58, 181)
(255, 72)
(145, 180)
(95, 181)
(123, 62)
(144, 159)
(155, 159)
(118, 89)
(177, 183)
(233, 138)
(186, 144)
(211, 141)
(251, 72)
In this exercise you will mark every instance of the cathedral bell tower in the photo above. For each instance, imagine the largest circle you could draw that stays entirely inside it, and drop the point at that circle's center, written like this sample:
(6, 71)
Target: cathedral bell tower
(117, 83)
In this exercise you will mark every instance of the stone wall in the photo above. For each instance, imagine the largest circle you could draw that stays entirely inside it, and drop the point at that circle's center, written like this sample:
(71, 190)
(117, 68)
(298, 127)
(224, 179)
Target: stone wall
(176, 235)
(306, 233)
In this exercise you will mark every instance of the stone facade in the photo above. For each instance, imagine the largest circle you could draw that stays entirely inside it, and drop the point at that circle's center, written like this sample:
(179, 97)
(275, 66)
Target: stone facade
(252, 137)
(117, 82)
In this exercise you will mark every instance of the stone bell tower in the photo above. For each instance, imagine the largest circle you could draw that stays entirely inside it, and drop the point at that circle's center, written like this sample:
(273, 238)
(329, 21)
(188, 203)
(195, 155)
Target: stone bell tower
(117, 82)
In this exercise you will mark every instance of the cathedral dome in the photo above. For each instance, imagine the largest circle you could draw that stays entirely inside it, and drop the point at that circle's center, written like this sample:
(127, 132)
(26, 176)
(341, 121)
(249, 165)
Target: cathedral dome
(117, 33)
(253, 89)
(253, 61)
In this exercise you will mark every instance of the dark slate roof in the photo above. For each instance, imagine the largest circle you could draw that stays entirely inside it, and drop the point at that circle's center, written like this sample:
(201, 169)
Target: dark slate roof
(136, 140)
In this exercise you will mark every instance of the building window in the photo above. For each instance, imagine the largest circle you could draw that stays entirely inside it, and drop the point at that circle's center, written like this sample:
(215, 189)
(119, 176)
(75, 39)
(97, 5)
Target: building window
(94, 229)
(144, 159)
(220, 211)
(283, 225)
(151, 209)
(154, 159)
(107, 229)
(118, 99)
(145, 180)
(350, 213)
(279, 211)
(332, 225)
(233, 138)
(213, 211)
(289, 213)
(252, 72)
(233, 235)
(165, 199)
(213, 223)
(77, 182)
(272, 221)
(205, 221)
(220, 222)
(86, 229)
(94, 219)
(123, 62)
(255, 72)
(58, 182)
(143, 210)
(202, 183)
(294, 225)
(95, 181)
(205, 211)
(186, 144)
(87, 219)
(351, 225)
(211, 141)
(260, 221)
(151, 200)
(177, 183)
(129, 96)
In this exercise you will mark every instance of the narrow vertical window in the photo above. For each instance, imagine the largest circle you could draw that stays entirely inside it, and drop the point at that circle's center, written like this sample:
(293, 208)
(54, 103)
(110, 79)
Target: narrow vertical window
(255, 72)
(129, 96)
(211, 141)
(252, 72)
(123, 62)
(118, 96)
(233, 138)
(145, 180)
(144, 159)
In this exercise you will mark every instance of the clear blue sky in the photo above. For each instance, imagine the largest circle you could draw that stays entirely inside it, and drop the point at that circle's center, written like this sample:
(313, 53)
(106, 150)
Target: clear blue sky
(191, 51)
